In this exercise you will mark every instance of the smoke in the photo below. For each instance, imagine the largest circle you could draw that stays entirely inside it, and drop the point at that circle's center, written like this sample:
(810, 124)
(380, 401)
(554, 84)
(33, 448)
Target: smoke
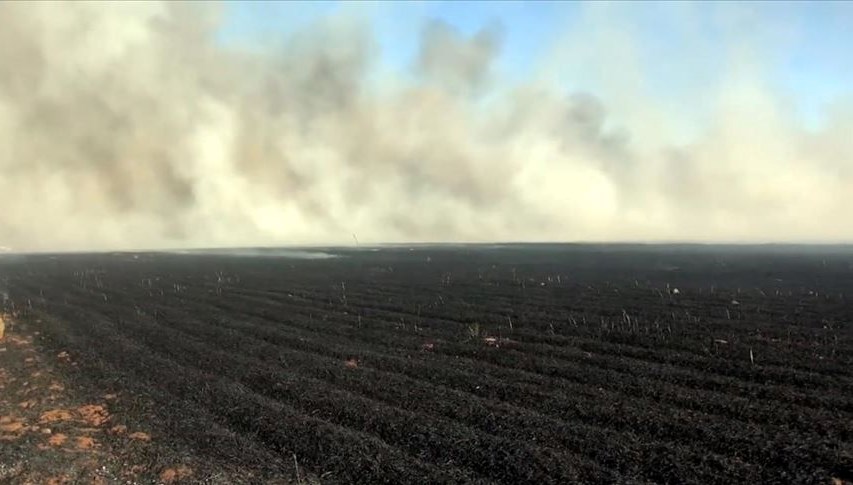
(131, 126)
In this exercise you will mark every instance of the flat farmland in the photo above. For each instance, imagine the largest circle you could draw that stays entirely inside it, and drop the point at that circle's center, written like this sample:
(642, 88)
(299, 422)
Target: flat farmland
(468, 364)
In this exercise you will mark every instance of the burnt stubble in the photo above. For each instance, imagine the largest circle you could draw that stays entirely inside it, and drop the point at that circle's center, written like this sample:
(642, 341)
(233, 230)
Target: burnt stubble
(471, 363)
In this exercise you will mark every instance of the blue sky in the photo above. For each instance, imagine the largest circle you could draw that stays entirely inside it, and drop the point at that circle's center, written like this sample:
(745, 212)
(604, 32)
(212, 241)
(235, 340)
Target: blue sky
(805, 48)
(528, 28)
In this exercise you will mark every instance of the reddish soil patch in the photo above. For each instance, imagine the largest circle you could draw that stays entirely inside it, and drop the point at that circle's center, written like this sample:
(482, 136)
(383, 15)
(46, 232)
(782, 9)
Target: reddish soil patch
(139, 436)
(12, 427)
(85, 443)
(94, 414)
(57, 439)
(172, 475)
(57, 436)
(55, 415)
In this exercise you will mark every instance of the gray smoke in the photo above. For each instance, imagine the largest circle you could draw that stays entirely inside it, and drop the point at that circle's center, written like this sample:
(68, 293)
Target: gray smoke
(129, 125)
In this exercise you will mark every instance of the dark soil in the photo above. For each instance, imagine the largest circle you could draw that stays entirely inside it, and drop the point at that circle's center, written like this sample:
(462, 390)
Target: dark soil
(512, 364)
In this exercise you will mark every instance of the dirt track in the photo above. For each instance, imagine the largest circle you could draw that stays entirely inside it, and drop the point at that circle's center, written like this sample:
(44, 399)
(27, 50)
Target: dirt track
(546, 364)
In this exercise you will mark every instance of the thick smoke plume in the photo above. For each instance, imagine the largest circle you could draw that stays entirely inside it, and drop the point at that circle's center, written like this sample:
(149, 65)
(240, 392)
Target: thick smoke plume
(131, 126)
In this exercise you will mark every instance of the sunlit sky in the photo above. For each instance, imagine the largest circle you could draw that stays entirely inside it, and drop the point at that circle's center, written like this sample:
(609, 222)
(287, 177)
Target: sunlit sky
(805, 46)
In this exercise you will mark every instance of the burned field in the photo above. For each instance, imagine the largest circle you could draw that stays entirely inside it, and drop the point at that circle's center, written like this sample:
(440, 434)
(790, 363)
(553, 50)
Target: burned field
(513, 364)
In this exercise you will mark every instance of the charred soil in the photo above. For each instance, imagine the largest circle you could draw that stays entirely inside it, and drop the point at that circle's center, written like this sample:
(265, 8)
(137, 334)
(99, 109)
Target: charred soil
(454, 364)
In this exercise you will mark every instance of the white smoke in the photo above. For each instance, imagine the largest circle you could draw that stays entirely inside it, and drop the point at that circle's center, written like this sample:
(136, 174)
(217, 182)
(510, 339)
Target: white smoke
(128, 125)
